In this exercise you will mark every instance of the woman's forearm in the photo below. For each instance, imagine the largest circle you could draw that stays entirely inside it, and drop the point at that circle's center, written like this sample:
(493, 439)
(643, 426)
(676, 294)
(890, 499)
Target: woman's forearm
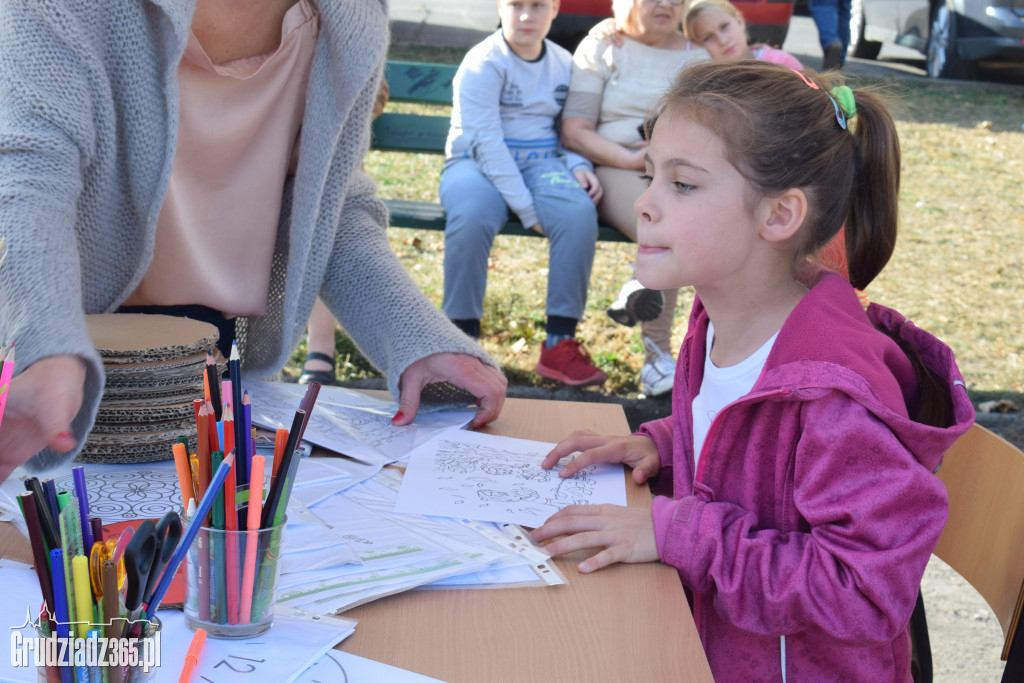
(580, 136)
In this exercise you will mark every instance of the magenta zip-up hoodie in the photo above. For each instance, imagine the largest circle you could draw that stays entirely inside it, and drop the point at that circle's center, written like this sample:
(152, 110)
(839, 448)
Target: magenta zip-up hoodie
(805, 531)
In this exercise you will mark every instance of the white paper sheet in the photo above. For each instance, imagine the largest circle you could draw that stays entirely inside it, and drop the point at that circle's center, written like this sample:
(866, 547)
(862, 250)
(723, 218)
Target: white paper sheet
(342, 666)
(348, 422)
(499, 479)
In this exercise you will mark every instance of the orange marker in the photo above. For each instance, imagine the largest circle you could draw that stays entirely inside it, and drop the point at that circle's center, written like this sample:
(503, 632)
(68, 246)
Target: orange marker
(192, 656)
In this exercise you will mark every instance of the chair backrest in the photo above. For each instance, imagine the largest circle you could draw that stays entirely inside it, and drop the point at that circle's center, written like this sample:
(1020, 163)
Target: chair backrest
(984, 537)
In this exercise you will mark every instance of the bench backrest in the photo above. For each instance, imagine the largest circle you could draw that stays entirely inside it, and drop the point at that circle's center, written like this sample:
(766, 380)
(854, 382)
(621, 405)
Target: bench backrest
(420, 83)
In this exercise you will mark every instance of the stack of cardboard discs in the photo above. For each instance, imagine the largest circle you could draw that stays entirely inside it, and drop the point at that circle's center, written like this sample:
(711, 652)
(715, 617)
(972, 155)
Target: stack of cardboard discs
(154, 366)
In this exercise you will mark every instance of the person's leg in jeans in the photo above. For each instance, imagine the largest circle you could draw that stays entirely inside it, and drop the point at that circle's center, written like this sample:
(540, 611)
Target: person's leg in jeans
(569, 220)
(475, 213)
(843, 27)
(826, 15)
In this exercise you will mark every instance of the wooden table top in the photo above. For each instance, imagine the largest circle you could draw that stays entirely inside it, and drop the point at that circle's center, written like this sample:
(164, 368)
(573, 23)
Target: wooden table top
(622, 623)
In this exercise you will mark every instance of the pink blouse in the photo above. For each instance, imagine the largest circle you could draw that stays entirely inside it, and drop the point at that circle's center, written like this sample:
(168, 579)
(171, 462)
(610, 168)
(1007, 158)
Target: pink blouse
(237, 140)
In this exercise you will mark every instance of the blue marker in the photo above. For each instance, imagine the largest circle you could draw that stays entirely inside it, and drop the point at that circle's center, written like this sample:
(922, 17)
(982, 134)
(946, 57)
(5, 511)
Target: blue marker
(83, 507)
(60, 603)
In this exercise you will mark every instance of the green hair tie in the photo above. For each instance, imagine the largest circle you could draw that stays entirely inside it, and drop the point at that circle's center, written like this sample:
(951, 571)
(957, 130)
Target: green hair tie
(844, 96)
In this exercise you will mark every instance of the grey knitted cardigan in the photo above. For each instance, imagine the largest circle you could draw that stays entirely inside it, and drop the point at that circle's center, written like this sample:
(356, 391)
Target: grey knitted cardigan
(88, 125)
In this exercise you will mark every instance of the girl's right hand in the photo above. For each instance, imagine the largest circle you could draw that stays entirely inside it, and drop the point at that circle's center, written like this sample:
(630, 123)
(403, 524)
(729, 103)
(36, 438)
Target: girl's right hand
(638, 452)
(43, 401)
(609, 32)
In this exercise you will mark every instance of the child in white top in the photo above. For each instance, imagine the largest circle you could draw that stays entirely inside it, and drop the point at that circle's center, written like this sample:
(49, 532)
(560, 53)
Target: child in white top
(718, 27)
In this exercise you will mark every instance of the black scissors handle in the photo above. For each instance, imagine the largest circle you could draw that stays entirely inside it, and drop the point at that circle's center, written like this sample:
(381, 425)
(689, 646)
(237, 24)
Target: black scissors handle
(168, 533)
(146, 555)
(138, 562)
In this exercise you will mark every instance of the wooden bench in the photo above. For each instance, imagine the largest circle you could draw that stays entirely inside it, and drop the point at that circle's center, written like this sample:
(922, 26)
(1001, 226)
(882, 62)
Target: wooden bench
(425, 83)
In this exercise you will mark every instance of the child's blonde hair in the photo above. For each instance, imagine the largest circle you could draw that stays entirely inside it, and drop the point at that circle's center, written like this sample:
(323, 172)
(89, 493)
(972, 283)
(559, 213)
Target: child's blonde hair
(697, 7)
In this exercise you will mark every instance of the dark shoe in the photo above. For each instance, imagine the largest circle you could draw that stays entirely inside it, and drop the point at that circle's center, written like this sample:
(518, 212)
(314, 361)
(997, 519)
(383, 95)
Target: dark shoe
(568, 362)
(636, 303)
(833, 56)
(320, 376)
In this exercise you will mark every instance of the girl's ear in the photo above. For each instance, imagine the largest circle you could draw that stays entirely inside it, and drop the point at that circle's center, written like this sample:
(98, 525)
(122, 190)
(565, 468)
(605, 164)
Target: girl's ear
(782, 215)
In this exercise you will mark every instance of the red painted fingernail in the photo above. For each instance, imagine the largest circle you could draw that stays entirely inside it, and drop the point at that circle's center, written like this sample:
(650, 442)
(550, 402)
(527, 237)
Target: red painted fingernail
(65, 435)
(398, 416)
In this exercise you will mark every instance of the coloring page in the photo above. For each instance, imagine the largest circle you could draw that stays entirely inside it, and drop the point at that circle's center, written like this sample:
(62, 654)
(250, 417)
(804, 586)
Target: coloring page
(476, 476)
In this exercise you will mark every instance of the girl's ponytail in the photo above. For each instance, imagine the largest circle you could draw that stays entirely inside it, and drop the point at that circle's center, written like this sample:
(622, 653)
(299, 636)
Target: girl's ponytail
(874, 198)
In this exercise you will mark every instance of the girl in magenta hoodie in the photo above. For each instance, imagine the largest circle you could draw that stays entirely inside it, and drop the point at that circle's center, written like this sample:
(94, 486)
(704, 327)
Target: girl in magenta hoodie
(795, 483)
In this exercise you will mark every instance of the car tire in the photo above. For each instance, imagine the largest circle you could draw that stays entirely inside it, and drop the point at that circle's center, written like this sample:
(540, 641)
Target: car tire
(859, 46)
(941, 58)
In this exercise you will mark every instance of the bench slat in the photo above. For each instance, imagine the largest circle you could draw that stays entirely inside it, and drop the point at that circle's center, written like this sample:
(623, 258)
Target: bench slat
(410, 133)
(420, 82)
(427, 216)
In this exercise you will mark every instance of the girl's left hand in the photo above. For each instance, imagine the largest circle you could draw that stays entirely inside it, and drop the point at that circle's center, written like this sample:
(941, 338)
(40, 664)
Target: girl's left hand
(626, 534)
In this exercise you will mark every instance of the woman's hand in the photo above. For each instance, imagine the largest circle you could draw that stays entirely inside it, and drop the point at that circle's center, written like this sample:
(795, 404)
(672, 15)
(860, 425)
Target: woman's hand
(608, 31)
(589, 182)
(464, 371)
(625, 534)
(638, 452)
(42, 402)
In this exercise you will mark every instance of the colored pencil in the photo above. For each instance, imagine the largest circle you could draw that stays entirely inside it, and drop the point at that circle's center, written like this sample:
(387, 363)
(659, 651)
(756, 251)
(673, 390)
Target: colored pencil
(231, 553)
(190, 534)
(6, 371)
(252, 536)
(213, 379)
(235, 368)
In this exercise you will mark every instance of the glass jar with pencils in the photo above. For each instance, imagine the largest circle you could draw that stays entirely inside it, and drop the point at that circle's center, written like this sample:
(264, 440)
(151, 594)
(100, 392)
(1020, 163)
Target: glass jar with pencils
(234, 562)
(232, 580)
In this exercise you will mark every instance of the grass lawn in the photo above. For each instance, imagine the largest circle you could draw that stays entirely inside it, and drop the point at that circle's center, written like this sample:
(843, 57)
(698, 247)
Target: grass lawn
(958, 269)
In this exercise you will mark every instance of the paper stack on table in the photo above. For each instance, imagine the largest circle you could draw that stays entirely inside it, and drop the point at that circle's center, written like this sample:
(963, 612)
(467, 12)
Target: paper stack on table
(154, 367)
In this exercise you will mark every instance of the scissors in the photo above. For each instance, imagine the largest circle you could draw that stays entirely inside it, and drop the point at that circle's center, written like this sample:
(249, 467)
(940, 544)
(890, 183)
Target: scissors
(145, 557)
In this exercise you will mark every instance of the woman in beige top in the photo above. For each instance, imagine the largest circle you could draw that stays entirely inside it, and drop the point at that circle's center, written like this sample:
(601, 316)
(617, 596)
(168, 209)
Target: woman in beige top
(612, 92)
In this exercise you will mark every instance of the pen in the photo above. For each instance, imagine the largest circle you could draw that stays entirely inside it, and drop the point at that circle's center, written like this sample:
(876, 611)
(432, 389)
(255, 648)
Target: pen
(190, 534)
(50, 489)
(111, 612)
(35, 536)
(60, 603)
(46, 520)
(192, 656)
(78, 473)
(83, 594)
(249, 566)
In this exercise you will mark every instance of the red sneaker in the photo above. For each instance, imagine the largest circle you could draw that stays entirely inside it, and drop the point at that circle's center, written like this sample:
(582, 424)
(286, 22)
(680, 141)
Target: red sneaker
(568, 362)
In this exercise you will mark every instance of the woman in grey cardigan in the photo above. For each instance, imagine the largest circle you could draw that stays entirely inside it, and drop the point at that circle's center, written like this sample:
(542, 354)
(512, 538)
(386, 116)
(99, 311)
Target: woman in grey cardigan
(95, 99)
